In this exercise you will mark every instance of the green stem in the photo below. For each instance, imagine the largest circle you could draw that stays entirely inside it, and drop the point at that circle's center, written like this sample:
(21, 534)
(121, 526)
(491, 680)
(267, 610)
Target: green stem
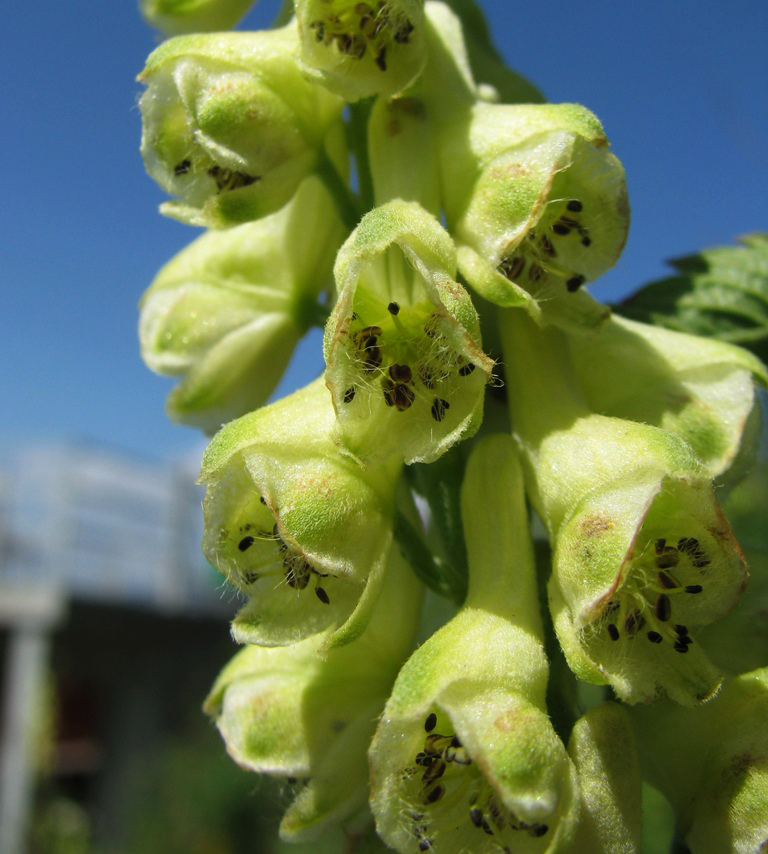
(359, 113)
(343, 198)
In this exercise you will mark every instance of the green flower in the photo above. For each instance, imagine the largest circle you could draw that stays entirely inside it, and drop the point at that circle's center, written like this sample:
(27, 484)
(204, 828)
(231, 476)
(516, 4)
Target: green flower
(359, 49)
(465, 757)
(175, 17)
(294, 713)
(712, 765)
(295, 525)
(231, 127)
(227, 312)
(536, 200)
(643, 555)
(402, 345)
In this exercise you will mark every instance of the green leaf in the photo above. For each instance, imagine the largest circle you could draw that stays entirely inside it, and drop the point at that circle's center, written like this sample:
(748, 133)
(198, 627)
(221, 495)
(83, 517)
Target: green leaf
(720, 293)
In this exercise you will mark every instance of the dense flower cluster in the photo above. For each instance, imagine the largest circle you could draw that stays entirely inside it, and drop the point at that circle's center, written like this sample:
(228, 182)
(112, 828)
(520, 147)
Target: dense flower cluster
(373, 169)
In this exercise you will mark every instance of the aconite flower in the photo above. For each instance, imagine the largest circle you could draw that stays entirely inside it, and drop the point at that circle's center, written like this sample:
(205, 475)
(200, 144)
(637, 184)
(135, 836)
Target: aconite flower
(225, 315)
(295, 525)
(402, 346)
(465, 757)
(536, 200)
(230, 125)
(643, 555)
(361, 48)
(712, 765)
(306, 717)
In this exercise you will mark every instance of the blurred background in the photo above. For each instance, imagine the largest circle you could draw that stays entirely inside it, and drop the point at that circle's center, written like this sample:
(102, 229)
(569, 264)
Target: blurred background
(111, 625)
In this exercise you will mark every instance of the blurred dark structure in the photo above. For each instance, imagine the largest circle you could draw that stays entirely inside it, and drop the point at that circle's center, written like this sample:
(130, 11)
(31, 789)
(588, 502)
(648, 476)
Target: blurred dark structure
(112, 628)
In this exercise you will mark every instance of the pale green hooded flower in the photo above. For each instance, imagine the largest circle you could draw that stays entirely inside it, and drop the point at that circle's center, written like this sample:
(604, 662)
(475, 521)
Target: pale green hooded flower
(294, 713)
(712, 765)
(643, 555)
(465, 757)
(231, 127)
(402, 346)
(537, 204)
(361, 49)
(227, 312)
(299, 528)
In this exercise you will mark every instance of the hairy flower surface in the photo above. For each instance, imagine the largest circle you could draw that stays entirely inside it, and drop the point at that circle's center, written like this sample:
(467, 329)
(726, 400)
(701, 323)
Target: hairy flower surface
(465, 757)
(539, 206)
(293, 524)
(712, 765)
(699, 388)
(296, 714)
(643, 555)
(227, 312)
(603, 749)
(360, 48)
(230, 126)
(402, 346)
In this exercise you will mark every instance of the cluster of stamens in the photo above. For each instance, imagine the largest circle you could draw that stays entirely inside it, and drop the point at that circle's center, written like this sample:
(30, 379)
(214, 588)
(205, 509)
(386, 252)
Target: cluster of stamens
(280, 561)
(226, 179)
(446, 781)
(647, 598)
(418, 366)
(535, 259)
(363, 28)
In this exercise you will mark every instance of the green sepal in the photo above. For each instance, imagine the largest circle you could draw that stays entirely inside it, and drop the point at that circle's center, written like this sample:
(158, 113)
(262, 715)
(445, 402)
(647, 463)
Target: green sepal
(230, 126)
(712, 765)
(534, 191)
(303, 712)
(402, 344)
(699, 388)
(294, 524)
(359, 49)
(227, 312)
(465, 757)
(643, 555)
(602, 747)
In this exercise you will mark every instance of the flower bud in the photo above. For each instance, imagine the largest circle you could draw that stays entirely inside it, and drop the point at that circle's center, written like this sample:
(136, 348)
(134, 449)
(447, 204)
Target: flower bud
(712, 765)
(226, 313)
(231, 127)
(360, 49)
(465, 757)
(174, 17)
(293, 713)
(402, 346)
(535, 198)
(602, 747)
(643, 555)
(295, 525)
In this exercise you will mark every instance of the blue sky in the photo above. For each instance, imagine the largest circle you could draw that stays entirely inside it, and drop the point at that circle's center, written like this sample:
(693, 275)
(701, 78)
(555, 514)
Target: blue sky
(680, 87)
